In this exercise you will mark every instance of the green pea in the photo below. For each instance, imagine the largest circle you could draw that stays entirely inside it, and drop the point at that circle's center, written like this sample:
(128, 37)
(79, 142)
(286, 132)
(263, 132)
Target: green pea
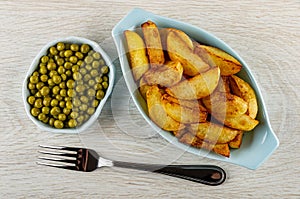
(104, 70)
(56, 79)
(85, 48)
(62, 104)
(84, 99)
(73, 59)
(41, 116)
(62, 85)
(88, 59)
(43, 70)
(72, 123)
(45, 91)
(53, 50)
(40, 85)
(59, 97)
(77, 76)
(96, 55)
(55, 90)
(31, 100)
(66, 111)
(98, 87)
(68, 53)
(105, 85)
(60, 46)
(51, 66)
(100, 94)
(69, 105)
(31, 86)
(44, 78)
(46, 110)
(68, 65)
(38, 103)
(54, 102)
(74, 114)
(47, 101)
(74, 47)
(60, 61)
(45, 59)
(94, 73)
(95, 64)
(79, 55)
(91, 92)
(55, 111)
(71, 93)
(34, 79)
(35, 111)
(58, 124)
(62, 117)
(51, 121)
(90, 111)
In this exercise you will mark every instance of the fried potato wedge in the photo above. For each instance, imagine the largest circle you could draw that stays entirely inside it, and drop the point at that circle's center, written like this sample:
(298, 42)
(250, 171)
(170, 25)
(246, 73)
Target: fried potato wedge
(223, 85)
(213, 133)
(137, 54)
(184, 114)
(164, 34)
(157, 112)
(143, 88)
(166, 75)
(193, 104)
(190, 139)
(153, 44)
(242, 122)
(237, 141)
(225, 104)
(242, 89)
(217, 57)
(180, 51)
(196, 87)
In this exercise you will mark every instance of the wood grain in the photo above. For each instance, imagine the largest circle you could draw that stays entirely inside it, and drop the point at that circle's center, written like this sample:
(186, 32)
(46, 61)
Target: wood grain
(265, 34)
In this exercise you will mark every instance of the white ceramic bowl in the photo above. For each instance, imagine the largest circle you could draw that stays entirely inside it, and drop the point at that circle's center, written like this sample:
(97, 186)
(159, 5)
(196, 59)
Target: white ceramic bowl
(257, 145)
(33, 66)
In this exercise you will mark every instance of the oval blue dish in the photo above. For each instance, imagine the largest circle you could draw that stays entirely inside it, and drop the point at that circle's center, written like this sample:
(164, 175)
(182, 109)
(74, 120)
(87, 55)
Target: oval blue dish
(257, 145)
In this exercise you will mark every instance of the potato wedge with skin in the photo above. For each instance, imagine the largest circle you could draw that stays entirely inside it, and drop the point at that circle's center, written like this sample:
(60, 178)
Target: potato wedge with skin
(178, 50)
(193, 104)
(164, 34)
(137, 54)
(213, 133)
(223, 85)
(143, 88)
(242, 89)
(157, 112)
(190, 139)
(242, 122)
(153, 44)
(237, 141)
(184, 114)
(225, 104)
(166, 75)
(196, 87)
(217, 57)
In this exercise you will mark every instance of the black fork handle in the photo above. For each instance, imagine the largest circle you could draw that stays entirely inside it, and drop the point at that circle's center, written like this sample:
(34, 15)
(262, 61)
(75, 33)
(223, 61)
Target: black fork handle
(205, 174)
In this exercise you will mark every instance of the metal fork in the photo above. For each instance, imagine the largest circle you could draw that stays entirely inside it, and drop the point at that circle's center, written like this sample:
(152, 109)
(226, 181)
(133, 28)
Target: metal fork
(83, 159)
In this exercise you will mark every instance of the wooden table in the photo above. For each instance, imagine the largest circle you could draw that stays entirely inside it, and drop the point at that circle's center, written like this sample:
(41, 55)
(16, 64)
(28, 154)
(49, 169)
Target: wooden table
(265, 34)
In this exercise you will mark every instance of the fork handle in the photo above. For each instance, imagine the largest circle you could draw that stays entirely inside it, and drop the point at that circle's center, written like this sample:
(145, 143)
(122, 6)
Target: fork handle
(205, 174)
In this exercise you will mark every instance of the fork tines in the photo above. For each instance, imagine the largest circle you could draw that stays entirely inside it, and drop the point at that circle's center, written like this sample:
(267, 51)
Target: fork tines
(60, 157)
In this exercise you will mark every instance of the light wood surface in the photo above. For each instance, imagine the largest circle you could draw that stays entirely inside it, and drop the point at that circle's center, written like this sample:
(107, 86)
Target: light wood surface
(264, 33)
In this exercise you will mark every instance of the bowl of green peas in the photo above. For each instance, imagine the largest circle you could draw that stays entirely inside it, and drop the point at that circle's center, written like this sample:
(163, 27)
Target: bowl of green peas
(67, 85)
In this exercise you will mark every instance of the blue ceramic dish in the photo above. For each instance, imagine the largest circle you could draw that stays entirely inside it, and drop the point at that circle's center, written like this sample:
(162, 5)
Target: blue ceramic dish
(257, 145)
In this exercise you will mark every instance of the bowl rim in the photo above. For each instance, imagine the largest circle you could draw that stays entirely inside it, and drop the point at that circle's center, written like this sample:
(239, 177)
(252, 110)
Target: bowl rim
(33, 66)
(137, 15)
